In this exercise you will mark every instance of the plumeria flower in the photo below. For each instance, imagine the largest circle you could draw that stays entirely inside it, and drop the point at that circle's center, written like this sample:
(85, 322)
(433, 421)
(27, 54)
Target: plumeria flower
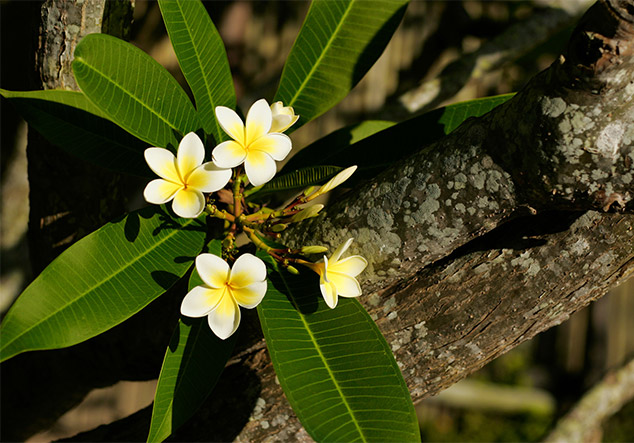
(225, 290)
(184, 178)
(337, 277)
(253, 144)
(283, 117)
(331, 184)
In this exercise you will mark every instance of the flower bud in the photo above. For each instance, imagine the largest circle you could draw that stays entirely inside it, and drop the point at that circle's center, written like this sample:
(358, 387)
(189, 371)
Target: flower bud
(292, 270)
(341, 177)
(279, 227)
(308, 212)
(283, 117)
(313, 249)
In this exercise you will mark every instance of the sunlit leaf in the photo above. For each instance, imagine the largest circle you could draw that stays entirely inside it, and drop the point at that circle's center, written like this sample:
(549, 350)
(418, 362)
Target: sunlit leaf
(377, 151)
(334, 143)
(134, 91)
(102, 280)
(337, 44)
(335, 367)
(192, 365)
(72, 122)
(202, 58)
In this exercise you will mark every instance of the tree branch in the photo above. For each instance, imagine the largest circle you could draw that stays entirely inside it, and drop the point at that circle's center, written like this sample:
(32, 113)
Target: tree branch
(602, 401)
(460, 271)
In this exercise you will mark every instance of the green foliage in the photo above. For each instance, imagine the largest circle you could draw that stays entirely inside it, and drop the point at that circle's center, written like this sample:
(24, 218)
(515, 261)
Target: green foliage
(133, 90)
(193, 363)
(102, 280)
(374, 151)
(298, 179)
(338, 43)
(336, 368)
(69, 120)
(202, 58)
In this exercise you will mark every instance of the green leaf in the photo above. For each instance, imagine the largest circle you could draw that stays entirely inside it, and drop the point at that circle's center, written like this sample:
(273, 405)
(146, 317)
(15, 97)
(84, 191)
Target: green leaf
(337, 44)
(193, 363)
(69, 120)
(300, 178)
(335, 142)
(102, 280)
(202, 58)
(335, 367)
(374, 153)
(135, 91)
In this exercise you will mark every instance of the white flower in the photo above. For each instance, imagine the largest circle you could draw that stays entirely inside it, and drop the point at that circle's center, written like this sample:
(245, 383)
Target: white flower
(254, 144)
(184, 178)
(283, 117)
(337, 277)
(225, 290)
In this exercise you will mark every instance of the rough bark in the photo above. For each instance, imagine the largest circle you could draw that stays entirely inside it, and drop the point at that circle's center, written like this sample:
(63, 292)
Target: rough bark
(476, 243)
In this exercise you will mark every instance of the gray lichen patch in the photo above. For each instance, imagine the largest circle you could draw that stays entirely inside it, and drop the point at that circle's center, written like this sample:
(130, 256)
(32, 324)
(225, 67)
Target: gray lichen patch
(553, 107)
(609, 140)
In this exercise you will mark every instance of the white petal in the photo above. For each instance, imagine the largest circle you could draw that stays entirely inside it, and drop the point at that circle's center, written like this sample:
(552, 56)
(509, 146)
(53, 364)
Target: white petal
(160, 191)
(351, 266)
(329, 292)
(260, 167)
(259, 120)
(231, 123)
(191, 153)
(200, 301)
(250, 296)
(228, 154)
(337, 180)
(276, 145)
(208, 178)
(340, 250)
(163, 163)
(346, 286)
(225, 318)
(213, 270)
(247, 269)
(188, 203)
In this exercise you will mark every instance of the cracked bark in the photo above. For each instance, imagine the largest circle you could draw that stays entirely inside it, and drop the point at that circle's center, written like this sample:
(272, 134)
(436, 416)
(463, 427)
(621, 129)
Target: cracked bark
(476, 243)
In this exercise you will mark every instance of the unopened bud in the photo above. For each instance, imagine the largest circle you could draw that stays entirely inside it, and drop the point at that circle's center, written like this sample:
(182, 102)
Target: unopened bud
(308, 212)
(292, 270)
(313, 249)
(279, 227)
(341, 177)
(309, 190)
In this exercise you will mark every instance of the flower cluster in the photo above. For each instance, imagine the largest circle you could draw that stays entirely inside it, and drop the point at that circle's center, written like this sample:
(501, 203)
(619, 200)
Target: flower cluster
(249, 156)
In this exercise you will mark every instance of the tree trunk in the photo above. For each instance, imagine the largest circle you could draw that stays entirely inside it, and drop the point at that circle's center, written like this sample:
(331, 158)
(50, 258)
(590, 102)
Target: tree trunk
(476, 243)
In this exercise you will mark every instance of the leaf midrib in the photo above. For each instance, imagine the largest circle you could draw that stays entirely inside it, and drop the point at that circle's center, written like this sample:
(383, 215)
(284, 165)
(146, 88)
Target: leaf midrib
(325, 362)
(130, 94)
(323, 53)
(83, 294)
(207, 87)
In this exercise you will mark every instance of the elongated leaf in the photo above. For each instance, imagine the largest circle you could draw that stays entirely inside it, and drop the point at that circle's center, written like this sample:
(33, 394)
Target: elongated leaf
(102, 280)
(376, 152)
(134, 91)
(337, 44)
(334, 365)
(192, 365)
(334, 143)
(300, 178)
(72, 122)
(202, 58)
